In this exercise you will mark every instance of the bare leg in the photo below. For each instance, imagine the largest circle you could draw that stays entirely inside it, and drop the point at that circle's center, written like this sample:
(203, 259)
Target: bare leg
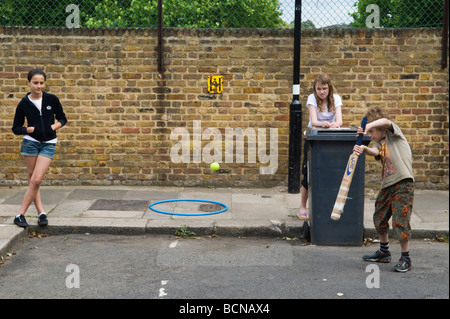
(303, 199)
(404, 244)
(31, 163)
(383, 238)
(35, 177)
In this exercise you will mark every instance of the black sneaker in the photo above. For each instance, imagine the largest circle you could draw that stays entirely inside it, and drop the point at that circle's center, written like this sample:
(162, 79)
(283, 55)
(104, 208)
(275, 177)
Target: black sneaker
(403, 265)
(42, 220)
(20, 221)
(379, 256)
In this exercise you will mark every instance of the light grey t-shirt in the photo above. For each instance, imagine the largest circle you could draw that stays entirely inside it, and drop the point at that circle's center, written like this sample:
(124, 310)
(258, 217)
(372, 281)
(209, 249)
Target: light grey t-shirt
(396, 157)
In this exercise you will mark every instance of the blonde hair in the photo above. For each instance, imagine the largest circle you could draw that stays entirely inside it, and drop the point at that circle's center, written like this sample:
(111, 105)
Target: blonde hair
(324, 80)
(376, 113)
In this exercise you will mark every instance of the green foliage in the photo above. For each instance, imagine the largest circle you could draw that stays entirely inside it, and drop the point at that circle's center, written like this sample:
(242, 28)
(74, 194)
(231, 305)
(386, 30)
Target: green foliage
(121, 13)
(184, 232)
(32, 13)
(308, 24)
(402, 13)
(187, 14)
(144, 13)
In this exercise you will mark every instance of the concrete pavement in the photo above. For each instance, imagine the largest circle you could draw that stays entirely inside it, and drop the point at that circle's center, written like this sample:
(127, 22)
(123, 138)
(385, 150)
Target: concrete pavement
(251, 212)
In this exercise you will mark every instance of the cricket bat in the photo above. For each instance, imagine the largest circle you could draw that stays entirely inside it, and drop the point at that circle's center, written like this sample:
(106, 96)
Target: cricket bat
(347, 179)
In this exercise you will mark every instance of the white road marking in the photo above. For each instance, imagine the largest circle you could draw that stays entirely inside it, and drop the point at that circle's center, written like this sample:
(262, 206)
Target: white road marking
(162, 292)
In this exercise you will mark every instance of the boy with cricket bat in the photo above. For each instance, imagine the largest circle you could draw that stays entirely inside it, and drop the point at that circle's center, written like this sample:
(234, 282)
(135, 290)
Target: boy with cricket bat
(396, 196)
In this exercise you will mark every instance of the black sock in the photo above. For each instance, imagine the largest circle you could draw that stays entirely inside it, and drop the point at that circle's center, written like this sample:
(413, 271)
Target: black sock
(406, 255)
(384, 247)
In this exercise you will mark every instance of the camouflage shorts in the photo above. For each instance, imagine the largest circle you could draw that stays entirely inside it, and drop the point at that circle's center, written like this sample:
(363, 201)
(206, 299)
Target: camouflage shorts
(395, 201)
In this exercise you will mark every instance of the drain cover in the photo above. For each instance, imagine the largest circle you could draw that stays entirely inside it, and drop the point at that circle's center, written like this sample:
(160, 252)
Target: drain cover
(116, 205)
(210, 208)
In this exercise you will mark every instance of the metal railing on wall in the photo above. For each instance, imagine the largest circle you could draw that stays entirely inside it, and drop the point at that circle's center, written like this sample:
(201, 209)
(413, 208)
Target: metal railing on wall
(222, 13)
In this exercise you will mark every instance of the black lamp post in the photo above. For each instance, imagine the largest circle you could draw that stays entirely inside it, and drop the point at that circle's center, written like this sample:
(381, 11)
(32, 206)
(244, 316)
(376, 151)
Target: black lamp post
(295, 112)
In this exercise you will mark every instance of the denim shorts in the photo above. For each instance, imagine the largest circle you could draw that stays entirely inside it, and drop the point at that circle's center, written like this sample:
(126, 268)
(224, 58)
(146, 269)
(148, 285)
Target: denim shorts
(31, 148)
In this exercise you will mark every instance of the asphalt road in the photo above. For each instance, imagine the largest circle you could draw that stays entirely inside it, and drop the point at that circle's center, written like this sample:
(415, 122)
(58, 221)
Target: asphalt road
(167, 267)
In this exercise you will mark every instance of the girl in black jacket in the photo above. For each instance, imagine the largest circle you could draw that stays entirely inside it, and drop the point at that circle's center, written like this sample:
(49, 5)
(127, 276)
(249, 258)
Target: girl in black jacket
(38, 147)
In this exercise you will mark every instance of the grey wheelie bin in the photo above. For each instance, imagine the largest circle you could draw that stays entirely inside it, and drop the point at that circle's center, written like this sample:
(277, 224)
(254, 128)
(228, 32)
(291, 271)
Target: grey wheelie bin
(326, 162)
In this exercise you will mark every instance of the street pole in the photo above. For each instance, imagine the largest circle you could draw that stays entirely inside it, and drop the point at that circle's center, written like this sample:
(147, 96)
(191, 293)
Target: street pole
(444, 37)
(160, 40)
(295, 111)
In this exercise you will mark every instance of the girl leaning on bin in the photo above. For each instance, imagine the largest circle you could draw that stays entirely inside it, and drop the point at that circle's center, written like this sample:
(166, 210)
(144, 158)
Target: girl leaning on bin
(39, 139)
(324, 111)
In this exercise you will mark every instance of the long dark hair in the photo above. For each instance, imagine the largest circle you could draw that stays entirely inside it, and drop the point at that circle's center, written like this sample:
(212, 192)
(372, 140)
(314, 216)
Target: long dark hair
(34, 72)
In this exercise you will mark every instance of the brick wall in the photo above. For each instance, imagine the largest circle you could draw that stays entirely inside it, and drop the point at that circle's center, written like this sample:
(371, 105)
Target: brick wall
(122, 112)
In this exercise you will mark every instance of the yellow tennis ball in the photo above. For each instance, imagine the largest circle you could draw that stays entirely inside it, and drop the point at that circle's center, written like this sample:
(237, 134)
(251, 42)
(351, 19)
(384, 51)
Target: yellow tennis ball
(215, 166)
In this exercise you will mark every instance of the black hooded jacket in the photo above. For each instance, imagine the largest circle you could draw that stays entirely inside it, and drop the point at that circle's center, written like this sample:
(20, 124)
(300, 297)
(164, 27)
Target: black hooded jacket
(51, 108)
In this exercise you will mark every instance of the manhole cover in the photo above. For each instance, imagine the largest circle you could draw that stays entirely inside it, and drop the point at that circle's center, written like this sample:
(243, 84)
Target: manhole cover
(116, 205)
(210, 208)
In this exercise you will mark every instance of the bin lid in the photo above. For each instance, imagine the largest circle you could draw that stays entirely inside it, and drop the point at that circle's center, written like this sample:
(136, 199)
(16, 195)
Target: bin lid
(334, 134)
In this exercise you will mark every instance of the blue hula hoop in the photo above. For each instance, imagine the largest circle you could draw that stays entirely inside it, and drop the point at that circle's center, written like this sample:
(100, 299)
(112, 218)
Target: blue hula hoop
(188, 200)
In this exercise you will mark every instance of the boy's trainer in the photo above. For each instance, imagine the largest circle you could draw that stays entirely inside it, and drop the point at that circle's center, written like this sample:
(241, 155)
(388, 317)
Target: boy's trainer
(378, 256)
(404, 264)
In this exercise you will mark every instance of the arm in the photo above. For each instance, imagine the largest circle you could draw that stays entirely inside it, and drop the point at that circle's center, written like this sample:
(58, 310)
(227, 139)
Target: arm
(60, 116)
(56, 126)
(372, 151)
(313, 115)
(315, 122)
(379, 123)
(338, 118)
(19, 120)
(383, 123)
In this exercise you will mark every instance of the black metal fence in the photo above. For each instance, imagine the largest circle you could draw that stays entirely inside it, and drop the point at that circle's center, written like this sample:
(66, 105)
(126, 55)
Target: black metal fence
(222, 13)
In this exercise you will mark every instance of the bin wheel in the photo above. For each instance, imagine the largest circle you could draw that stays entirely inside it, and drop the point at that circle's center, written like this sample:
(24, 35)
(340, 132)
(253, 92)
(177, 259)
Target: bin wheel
(306, 236)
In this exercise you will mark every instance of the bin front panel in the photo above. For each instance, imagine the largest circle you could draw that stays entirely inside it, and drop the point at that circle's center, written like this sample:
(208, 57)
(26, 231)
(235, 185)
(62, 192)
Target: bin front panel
(327, 161)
